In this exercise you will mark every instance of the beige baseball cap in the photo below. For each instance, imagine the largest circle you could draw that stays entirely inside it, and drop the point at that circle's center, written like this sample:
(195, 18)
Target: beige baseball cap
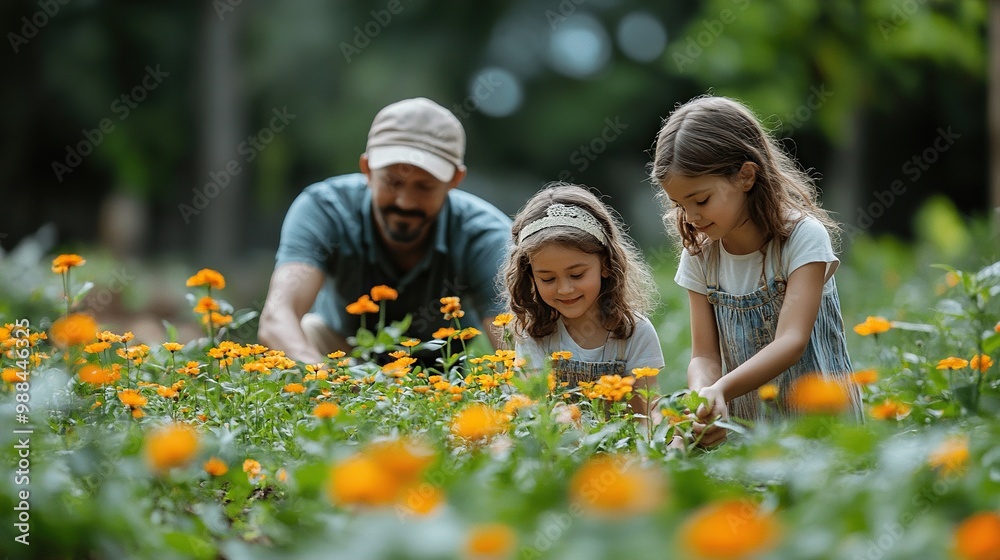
(419, 132)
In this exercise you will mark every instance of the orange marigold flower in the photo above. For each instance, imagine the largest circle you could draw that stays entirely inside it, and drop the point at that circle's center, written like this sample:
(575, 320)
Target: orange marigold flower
(478, 421)
(294, 388)
(873, 325)
(982, 362)
(96, 347)
(468, 333)
(814, 393)
(729, 529)
(978, 537)
(562, 355)
(410, 343)
(167, 392)
(326, 410)
(173, 346)
(171, 446)
(206, 304)
(515, 403)
(362, 306)
(443, 333)
(490, 541)
(616, 485)
(207, 277)
(952, 362)
(451, 306)
(890, 410)
(95, 375)
(360, 480)
(639, 373)
(383, 292)
(218, 319)
(64, 262)
(503, 319)
(951, 455)
(132, 399)
(14, 375)
(768, 392)
(864, 377)
(215, 467)
(78, 328)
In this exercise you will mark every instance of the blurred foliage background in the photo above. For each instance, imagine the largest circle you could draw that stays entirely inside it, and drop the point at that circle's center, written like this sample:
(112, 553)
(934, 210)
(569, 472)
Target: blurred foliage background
(181, 132)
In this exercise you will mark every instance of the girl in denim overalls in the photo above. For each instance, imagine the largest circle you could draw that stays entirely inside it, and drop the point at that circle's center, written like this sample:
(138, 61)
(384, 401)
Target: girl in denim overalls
(758, 261)
(576, 283)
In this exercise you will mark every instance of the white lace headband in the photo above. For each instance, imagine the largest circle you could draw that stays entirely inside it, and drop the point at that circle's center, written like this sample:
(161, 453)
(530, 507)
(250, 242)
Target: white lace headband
(565, 215)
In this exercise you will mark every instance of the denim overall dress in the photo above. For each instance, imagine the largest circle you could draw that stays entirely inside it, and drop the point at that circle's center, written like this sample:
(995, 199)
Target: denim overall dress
(747, 323)
(574, 371)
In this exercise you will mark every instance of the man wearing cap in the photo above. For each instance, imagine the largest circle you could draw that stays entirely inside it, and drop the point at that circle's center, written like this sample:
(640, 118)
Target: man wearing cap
(401, 222)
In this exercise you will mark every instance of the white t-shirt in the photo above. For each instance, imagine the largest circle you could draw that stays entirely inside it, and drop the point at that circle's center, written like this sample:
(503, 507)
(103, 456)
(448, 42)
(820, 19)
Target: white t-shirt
(740, 274)
(642, 349)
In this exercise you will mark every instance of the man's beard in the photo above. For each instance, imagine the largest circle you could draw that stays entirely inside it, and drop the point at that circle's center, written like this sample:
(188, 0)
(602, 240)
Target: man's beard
(403, 232)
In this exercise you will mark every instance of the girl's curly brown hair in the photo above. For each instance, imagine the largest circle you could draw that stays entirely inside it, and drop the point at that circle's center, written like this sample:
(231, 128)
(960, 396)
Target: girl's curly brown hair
(627, 293)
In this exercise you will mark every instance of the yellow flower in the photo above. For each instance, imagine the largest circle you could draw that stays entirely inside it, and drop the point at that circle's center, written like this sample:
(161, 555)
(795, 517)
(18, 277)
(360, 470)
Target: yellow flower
(952, 362)
(336, 355)
(864, 377)
(207, 277)
(64, 262)
(639, 373)
(768, 392)
(452, 308)
(14, 375)
(490, 541)
(890, 410)
(215, 467)
(873, 325)
(410, 343)
(515, 403)
(443, 333)
(132, 399)
(362, 306)
(218, 319)
(251, 466)
(206, 304)
(96, 347)
(977, 537)
(170, 446)
(729, 529)
(562, 355)
(478, 421)
(982, 362)
(503, 319)
(294, 388)
(383, 292)
(326, 410)
(615, 485)
(468, 333)
(173, 346)
(951, 455)
(361, 480)
(72, 330)
(95, 375)
(167, 392)
(814, 393)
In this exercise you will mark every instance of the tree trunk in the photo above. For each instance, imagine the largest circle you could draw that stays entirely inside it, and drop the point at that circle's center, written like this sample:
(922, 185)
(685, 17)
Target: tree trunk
(220, 134)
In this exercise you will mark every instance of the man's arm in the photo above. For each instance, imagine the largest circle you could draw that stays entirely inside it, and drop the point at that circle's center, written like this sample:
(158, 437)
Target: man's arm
(294, 287)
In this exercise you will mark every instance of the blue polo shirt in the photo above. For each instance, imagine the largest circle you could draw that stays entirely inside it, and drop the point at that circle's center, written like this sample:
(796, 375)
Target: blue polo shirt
(330, 226)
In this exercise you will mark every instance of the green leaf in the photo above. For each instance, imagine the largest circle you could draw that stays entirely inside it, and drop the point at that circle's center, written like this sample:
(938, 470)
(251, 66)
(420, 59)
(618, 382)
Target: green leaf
(365, 338)
(191, 546)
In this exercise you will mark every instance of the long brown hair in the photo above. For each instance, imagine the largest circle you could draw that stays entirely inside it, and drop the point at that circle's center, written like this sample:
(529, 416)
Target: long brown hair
(627, 292)
(716, 136)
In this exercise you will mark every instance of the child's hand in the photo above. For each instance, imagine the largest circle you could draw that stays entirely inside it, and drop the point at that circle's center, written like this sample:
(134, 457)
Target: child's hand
(710, 434)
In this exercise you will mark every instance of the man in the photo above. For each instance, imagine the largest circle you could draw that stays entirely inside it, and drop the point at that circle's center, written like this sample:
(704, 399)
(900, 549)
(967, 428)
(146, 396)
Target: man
(401, 222)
